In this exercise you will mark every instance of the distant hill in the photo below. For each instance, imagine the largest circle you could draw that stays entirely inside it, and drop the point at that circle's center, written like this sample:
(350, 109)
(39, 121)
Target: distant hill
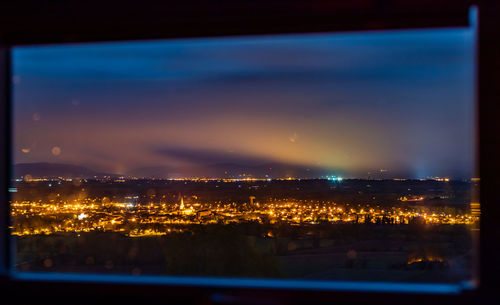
(53, 170)
(152, 172)
(219, 170)
(232, 170)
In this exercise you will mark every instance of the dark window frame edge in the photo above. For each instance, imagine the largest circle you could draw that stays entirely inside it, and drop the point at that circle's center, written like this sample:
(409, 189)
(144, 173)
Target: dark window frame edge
(488, 77)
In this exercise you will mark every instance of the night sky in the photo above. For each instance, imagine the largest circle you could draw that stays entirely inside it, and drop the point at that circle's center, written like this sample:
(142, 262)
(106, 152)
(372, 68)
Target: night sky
(401, 101)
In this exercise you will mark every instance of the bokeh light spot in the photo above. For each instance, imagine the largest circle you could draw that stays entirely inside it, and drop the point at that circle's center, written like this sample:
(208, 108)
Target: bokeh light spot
(56, 150)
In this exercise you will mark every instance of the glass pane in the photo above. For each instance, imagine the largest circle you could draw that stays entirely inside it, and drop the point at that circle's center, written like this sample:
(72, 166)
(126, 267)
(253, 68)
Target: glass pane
(314, 157)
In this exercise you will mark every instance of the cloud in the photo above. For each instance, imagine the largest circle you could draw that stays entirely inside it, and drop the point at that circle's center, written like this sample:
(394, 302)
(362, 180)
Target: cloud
(196, 156)
(392, 99)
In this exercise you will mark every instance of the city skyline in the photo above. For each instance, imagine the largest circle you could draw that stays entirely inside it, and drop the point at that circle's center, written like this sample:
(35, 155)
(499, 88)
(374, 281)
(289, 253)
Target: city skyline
(401, 101)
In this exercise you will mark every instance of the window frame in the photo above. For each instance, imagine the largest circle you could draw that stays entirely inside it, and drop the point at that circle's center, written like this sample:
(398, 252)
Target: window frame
(21, 25)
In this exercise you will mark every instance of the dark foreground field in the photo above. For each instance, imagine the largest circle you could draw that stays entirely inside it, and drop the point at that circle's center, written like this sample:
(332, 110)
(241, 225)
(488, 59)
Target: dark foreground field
(417, 253)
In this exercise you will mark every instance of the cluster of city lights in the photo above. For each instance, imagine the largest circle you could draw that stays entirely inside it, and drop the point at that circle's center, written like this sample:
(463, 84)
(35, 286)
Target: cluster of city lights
(334, 178)
(141, 219)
